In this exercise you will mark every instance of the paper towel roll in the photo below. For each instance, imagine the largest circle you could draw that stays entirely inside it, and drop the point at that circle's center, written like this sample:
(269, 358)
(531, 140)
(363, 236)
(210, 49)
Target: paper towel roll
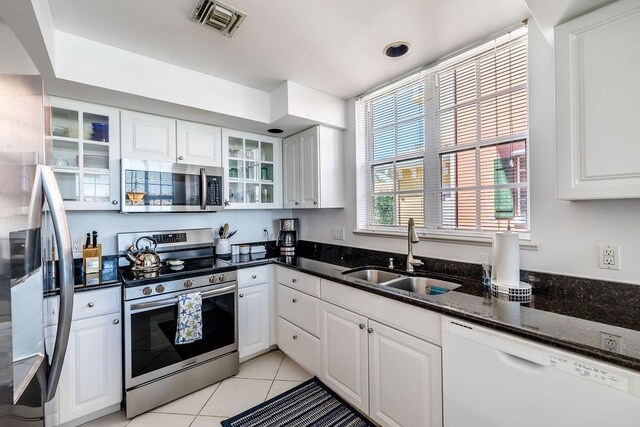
(506, 259)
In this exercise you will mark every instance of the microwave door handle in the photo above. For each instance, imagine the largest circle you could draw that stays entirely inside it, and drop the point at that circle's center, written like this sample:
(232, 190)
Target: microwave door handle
(171, 301)
(203, 189)
(65, 257)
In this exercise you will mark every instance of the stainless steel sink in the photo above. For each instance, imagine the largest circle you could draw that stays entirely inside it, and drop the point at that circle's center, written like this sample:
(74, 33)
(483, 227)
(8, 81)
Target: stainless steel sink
(422, 285)
(372, 275)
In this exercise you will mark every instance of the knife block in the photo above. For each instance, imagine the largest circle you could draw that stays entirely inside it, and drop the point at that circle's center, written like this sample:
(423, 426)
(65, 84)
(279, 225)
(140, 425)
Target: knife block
(92, 259)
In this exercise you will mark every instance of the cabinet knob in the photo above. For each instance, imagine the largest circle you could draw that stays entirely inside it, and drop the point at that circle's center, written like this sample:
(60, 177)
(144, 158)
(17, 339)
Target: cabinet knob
(294, 280)
(295, 337)
(255, 276)
(181, 158)
(370, 330)
(361, 325)
(315, 203)
(226, 203)
(296, 203)
(116, 321)
(241, 295)
(294, 300)
(114, 202)
(90, 305)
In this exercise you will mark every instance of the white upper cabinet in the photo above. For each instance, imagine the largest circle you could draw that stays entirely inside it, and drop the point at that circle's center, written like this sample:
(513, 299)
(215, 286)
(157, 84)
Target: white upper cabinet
(313, 169)
(163, 139)
(291, 181)
(253, 168)
(148, 137)
(597, 91)
(199, 144)
(84, 153)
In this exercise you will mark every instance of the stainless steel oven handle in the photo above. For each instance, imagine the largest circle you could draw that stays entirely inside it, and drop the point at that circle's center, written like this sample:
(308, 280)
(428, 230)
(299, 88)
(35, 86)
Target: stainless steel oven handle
(174, 300)
(203, 189)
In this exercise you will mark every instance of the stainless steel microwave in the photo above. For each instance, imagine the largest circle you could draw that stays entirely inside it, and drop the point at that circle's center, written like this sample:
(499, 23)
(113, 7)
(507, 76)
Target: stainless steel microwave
(148, 186)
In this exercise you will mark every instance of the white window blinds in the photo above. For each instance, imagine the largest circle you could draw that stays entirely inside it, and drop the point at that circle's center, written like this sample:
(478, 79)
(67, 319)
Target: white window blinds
(448, 146)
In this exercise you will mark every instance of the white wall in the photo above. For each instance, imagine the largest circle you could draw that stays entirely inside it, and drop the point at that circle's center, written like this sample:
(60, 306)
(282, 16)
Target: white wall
(248, 223)
(13, 58)
(568, 232)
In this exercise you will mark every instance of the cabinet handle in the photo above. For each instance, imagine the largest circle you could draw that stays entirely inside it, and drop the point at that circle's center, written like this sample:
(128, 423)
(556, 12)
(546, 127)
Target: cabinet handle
(294, 280)
(370, 330)
(254, 276)
(361, 325)
(295, 337)
(90, 305)
(116, 321)
(294, 300)
(181, 158)
(114, 202)
(226, 203)
(241, 295)
(296, 203)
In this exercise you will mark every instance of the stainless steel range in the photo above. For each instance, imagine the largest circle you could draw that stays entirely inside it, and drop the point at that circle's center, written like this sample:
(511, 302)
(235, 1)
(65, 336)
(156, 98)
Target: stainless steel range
(157, 370)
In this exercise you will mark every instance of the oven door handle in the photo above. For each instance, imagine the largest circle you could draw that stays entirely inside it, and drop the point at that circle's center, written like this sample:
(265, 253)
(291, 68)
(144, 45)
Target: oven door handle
(174, 300)
(203, 189)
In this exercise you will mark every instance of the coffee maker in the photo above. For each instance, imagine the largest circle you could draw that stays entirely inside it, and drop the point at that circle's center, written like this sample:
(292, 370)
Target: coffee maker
(287, 237)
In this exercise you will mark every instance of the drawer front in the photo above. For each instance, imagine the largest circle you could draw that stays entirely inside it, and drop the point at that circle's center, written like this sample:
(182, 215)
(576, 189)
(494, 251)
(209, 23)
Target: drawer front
(253, 276)
(303, 282)
(96, 303)
(299, 345)
(300, 309)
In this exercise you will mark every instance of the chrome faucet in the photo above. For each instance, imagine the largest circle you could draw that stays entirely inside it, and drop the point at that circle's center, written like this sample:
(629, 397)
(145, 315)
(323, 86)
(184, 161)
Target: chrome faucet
(412, 238)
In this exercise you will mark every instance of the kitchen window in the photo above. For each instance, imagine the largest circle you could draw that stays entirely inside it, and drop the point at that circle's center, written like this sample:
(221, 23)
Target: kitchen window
(448, 146)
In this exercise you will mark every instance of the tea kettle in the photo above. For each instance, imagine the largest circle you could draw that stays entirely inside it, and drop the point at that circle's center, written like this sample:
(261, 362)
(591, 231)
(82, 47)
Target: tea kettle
(144, 259)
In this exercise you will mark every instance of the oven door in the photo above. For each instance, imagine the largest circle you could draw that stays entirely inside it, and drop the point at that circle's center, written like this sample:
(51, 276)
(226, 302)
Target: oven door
(150, 332)
(148, 186)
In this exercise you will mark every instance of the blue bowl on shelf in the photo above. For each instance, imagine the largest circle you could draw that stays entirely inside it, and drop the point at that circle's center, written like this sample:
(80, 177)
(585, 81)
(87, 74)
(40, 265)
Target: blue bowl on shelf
(100, 131)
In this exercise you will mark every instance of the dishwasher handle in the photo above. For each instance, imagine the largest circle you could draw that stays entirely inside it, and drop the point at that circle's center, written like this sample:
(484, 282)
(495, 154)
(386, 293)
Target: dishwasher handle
(520, 363)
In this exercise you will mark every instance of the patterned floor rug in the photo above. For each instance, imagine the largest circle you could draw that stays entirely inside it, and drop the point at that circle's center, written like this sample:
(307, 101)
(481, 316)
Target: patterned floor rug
(308, 404)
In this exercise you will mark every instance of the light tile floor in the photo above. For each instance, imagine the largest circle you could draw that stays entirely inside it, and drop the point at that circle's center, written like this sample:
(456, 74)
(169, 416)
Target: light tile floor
(259, 379)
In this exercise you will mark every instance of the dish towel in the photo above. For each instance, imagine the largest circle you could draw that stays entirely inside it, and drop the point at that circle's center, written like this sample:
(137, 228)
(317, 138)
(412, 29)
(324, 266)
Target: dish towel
(189, 318)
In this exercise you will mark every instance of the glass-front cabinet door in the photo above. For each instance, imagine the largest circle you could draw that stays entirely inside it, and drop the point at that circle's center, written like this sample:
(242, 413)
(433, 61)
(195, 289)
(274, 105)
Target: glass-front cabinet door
(253, 165)
(83, 151)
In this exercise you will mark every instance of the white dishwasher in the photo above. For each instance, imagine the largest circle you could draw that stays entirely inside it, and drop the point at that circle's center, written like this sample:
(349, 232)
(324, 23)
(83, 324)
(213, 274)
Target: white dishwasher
(495, 379)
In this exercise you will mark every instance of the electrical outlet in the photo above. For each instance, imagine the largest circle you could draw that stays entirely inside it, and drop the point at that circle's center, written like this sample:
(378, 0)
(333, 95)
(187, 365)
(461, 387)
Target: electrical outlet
(609, 257)
(337, 233)
(610, 342)
(76, 246)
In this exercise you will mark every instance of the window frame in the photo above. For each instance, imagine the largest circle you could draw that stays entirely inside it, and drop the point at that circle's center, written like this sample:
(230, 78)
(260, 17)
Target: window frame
(432, 152)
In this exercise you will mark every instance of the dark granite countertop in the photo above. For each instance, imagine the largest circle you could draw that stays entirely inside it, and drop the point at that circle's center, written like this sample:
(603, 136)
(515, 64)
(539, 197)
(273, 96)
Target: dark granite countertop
(106, 278)
(535, 320)
(565, 312)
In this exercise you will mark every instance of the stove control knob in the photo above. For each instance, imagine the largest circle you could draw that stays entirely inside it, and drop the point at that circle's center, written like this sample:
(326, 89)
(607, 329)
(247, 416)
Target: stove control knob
(159, 289)
(221, 278)
(146, 291)
(212, 279)
(187, 283)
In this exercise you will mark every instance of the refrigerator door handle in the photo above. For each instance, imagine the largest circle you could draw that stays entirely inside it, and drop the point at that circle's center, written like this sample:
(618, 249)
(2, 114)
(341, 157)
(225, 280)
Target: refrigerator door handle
(65, 271)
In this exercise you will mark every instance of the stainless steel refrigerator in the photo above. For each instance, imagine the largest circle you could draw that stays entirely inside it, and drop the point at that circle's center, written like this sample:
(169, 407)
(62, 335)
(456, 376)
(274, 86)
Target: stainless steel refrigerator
(28, 375)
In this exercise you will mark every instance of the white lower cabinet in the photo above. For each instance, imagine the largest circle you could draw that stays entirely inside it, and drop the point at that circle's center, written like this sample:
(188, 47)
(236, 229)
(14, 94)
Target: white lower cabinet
(253, 319)
(393, 377)
(91, 380)
(405, 379)
(92, 373)
(344, 355)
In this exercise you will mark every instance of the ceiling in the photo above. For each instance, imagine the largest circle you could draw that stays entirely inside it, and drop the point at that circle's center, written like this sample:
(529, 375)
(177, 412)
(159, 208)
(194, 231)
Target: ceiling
(334, 46)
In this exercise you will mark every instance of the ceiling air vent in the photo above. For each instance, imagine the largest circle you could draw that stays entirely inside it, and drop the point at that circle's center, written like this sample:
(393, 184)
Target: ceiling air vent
(219, 16)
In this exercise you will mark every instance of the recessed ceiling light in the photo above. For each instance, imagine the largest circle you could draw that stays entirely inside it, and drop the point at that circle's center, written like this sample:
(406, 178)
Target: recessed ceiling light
(275, 130)
(397, 49)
